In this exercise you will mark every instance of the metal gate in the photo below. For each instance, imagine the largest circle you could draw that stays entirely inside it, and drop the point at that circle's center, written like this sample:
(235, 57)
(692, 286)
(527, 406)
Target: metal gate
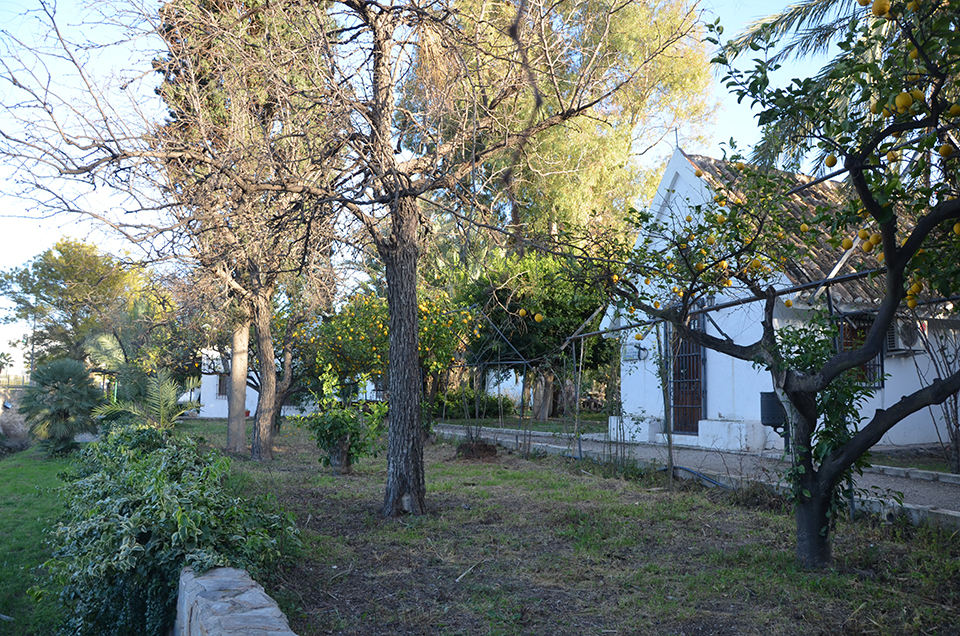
(688, 386)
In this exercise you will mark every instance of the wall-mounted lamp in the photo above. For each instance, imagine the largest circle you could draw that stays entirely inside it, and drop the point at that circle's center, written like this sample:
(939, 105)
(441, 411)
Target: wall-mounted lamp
(642, 352)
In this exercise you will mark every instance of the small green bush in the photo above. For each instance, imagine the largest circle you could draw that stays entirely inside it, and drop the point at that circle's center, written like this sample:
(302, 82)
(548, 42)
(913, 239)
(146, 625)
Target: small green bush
(462, 403)
(344, 429)
(141, 505)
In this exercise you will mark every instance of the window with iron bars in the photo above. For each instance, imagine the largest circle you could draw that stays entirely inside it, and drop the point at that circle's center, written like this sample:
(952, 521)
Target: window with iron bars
(853, 333)
(223, 386)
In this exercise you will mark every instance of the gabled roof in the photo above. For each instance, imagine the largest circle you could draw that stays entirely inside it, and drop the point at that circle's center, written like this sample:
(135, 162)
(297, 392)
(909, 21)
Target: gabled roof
(824, 261)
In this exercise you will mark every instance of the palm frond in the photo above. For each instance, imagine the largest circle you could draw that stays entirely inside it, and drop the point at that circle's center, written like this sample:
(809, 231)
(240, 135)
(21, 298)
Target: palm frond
(815, 23)
(105, 351)
(160, 407)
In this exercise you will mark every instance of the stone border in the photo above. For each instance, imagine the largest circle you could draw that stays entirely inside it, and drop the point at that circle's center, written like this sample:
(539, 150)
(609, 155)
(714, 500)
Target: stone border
(226, 602)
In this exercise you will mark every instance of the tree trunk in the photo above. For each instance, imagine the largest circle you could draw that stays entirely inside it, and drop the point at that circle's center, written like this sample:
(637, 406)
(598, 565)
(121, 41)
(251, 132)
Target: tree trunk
(262, 449)
(812, 496)
(285, 384)
(406, 488)
(813, 530)
(236, 408)
(543, 397)
(340, 460)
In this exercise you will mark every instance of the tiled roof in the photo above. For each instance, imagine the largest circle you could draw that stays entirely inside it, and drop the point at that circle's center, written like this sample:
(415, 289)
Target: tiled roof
(823, 258)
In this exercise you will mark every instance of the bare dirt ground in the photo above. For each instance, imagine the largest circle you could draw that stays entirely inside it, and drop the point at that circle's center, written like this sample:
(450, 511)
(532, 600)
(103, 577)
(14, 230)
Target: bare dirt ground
(552, 546)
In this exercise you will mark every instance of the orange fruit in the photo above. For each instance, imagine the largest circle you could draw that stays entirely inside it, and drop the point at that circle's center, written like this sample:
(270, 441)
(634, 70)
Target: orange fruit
(881, 8)
(903, 101)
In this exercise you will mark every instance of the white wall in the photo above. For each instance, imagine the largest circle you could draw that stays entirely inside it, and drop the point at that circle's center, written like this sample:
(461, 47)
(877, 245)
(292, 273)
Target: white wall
(733, 386)
(214, 406)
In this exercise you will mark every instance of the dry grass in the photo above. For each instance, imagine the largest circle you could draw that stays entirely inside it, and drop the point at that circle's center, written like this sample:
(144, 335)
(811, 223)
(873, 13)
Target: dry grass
(512, 546)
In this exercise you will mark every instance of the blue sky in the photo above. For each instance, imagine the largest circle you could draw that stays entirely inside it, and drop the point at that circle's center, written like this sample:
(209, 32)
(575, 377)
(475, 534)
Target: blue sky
(25, 238)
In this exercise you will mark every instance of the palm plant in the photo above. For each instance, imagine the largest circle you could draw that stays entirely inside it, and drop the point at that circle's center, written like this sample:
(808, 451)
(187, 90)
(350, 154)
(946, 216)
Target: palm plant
(6, 360)
(59, 403)
(160, 406)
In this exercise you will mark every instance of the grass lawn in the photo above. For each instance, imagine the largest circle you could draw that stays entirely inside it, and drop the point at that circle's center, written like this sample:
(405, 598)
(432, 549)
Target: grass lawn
(545, 546)
(28, 507)
(924, 458)
(551, 546)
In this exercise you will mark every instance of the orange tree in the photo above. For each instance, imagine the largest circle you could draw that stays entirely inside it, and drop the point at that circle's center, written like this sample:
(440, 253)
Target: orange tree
(882, 117)
(354, 342)
(534, 303)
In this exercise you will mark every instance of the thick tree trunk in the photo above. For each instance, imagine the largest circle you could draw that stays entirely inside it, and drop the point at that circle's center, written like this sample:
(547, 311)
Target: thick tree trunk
(262, 448)
(236, 407)
(812, 496)
(813, 530)
(406, 488)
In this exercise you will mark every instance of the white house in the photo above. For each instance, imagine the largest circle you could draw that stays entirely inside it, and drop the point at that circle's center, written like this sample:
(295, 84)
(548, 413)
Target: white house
(715, 400)
(215, 389)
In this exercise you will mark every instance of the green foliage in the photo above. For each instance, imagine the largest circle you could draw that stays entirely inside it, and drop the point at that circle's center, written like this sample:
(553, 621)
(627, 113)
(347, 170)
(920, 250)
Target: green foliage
(465, 402)
(160, 406)
(807, 348)
(68, 293)
(58, 405)
(513, 291)
(140, 507)
(355, 341)
(28, 499)
(882, 108)
(342, 425)
(6, 360)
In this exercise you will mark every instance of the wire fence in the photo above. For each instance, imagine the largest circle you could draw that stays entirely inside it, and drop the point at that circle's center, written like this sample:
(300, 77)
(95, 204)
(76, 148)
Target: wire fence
(14, 381)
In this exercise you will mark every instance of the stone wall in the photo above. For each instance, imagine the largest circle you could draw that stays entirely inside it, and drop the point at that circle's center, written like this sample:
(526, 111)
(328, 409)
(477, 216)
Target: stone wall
(226, 602)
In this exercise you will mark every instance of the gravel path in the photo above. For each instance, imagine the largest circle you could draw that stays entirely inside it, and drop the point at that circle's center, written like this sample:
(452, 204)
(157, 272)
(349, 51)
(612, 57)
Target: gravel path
(919, 488)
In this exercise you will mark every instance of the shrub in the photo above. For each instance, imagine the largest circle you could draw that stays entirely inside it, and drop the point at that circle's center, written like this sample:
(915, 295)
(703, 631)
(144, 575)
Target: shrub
(462, 403)
(344, 430)
(141, 506)
(59, 402)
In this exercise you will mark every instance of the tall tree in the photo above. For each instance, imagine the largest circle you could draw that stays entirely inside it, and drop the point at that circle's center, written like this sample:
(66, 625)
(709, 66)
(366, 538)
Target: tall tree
(69, 294)
(231, 96)
(321, 85)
